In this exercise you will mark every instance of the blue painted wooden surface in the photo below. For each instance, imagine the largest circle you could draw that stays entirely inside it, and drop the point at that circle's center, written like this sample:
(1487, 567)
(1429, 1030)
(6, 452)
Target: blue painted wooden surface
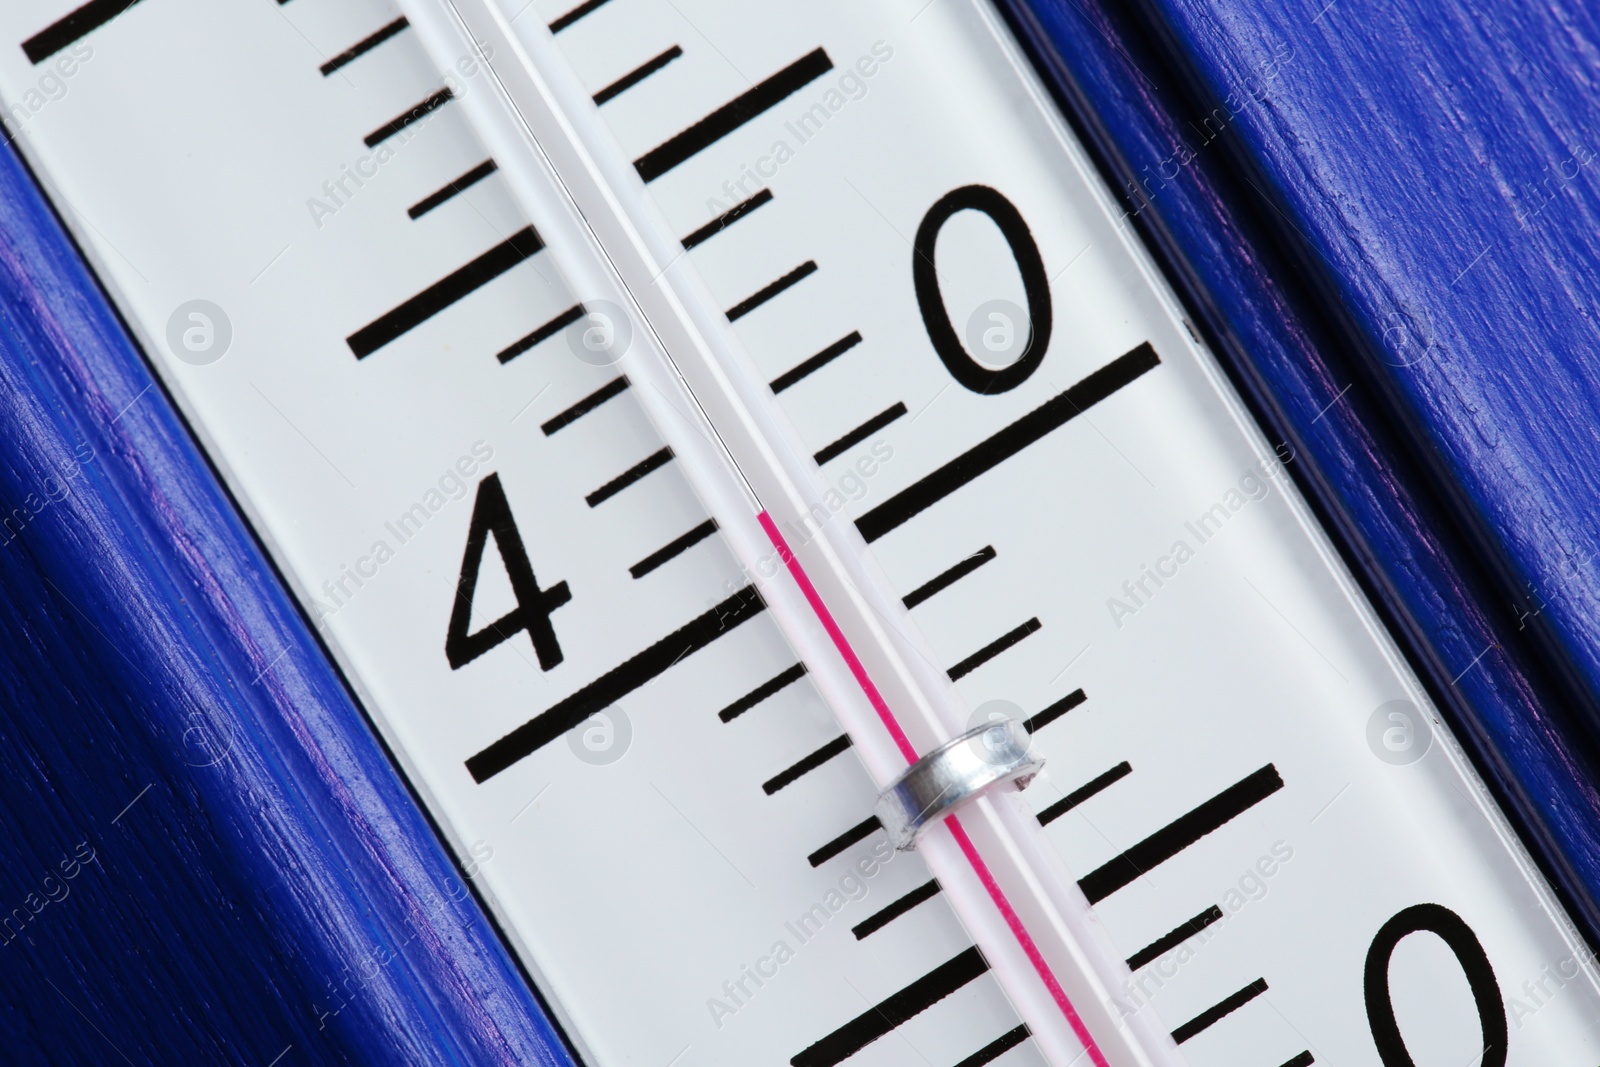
(1341, 196)
(1383, 215)
(207, 857)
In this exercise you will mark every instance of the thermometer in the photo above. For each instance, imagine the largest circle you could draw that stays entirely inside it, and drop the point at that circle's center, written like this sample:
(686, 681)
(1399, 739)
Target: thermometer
(684, 421)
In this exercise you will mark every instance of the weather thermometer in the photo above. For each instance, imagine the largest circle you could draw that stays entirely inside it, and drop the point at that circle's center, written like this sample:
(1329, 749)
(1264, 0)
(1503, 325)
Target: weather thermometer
(725, 446)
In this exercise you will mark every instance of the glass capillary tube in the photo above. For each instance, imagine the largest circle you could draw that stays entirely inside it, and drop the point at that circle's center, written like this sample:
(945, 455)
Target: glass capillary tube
(1005, 881)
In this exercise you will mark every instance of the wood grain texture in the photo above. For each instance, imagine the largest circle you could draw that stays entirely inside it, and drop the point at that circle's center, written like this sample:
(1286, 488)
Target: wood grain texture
(207, 855)
(1383, 244)
(1319, 186)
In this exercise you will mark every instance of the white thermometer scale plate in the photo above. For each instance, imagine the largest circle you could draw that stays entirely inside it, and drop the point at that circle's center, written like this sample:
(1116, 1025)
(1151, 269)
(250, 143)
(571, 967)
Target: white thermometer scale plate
(1213, 694)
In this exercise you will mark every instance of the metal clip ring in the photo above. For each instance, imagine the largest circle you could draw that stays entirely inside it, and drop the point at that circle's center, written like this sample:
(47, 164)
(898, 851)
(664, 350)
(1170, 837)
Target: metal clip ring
(954, 774)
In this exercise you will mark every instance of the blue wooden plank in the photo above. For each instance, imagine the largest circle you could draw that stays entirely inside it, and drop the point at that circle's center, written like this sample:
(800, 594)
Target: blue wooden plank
(207, 855)
(1435, 167)
(1321, 185)
(1325, 226)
